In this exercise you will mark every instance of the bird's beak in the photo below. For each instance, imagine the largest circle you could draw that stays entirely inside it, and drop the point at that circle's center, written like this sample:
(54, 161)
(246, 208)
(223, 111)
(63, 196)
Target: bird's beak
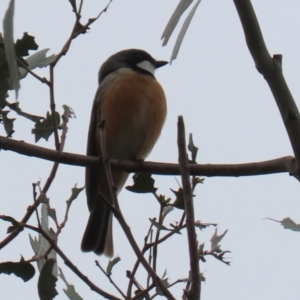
(160, 63)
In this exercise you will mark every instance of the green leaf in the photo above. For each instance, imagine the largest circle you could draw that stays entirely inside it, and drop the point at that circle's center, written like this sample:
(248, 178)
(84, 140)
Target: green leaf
(75, 192)
(164, 274)
(4, 75)
(167, 210)
(183, 31)
(201, 248)
(288, 223)
(39, 244)
(43, 198)
(7, 122)
(4, 87)
(111, 264)
(179, 201)
(165, 283)
(15, 224)
(192, 148)
(43, 129)
(142, 183)
(136, 292)
(47, 282)
(2, 52)
(163, 200)
(202, 278)
(9, 219)
(37, 60)
(180, 9)
(196, 180)
(52, 214)
(70, 291)
(25, 44)
(20, 269)
(204, 225)
(158, 225)
(16, 107)
(216, 239)
(8, 28)
(68, 113)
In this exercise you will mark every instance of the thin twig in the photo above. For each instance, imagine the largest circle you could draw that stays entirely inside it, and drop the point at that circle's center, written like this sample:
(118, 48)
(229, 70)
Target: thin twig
(41, 79)
(70, 264)
(134, 282)
(80, 7)
(32, 208)
(63, 223)
(119, 216)
(78, 29)
(110, 279)
(144, 292)
(176, 229)
(35, 200)
(150, 254)
(195, 290)
(137, 263)
(52, 108)
(160, 221)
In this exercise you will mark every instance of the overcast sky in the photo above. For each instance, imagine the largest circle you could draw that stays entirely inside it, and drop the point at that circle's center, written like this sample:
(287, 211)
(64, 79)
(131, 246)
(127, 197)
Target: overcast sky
(225, 103)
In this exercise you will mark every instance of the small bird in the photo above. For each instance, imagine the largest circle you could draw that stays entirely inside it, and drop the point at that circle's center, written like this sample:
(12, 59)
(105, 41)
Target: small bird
(133, 105)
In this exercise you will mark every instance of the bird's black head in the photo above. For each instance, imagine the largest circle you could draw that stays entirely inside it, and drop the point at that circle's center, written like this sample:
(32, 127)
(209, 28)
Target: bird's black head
(135, 59)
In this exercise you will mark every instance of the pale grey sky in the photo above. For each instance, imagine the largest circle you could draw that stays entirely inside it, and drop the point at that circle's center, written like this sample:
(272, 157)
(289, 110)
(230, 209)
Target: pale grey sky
(227, 106)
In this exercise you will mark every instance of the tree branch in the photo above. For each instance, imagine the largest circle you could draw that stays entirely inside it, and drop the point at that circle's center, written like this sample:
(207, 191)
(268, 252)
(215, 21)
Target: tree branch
(271, 69)
(284, 164)
(195, 290)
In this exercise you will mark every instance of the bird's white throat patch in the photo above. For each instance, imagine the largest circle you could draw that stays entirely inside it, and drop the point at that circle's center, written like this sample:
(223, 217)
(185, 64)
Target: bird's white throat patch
(147, 65)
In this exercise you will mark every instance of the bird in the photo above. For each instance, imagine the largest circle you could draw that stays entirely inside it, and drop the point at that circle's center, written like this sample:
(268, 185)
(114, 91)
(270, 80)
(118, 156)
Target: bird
(132, 104)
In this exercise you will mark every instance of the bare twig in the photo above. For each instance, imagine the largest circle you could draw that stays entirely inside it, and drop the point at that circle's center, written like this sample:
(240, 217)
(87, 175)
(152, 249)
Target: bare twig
(32, 208)
(150, 253)
(110, 279)
(137, 263)
(271, 69)
(78, 29)
(70, 264)
(52, 108)
(35, 200)
(218, 255)
(41, 79)
(120, 218)
(80, 7)
(63, 223)
(195, 290)
(144, 293)
(160, 221)
(134, 282)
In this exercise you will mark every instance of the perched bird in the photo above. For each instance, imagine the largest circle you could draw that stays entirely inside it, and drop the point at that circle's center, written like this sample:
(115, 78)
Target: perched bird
(133, 105)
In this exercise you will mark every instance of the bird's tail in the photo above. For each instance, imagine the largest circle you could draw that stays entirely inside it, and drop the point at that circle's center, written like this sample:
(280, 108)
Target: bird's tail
(98, 233)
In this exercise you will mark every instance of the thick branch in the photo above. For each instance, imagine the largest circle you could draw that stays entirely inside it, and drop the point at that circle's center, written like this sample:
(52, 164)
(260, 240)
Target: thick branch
(194, 292)
(279, 165)
(271, 69)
